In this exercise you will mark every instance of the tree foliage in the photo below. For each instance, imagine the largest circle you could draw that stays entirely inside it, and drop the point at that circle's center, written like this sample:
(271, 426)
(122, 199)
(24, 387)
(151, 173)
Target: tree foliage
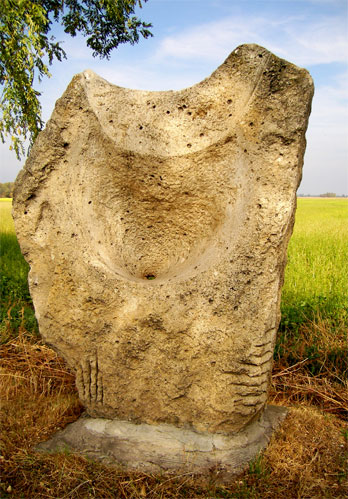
(328, 195)
(6, 189)
(27, 50)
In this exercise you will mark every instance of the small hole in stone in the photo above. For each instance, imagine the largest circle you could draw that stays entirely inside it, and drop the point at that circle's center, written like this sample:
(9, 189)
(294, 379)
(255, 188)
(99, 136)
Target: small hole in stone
(150, 277)
(229, 115)
(168, 112)
(201, 134)
(251, 123)
(140, 128)
(189, 113)
(260, 55)
(180, 108)
(89, 202)
(111, 121)
(229, 101)
(184, 106)
(189, 145)
(65, 145)
(245, 150)
(154, 106)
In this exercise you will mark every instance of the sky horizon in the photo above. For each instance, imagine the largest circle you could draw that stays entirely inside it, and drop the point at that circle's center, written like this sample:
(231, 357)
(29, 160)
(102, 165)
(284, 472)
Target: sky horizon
(193, 37)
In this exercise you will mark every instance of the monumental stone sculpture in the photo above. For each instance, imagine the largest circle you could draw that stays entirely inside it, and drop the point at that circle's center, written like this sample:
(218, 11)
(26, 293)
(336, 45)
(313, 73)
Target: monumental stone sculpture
(156, 226)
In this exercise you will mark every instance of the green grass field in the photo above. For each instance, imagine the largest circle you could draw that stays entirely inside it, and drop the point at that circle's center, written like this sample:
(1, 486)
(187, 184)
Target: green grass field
(314, 302)
(16, 309)
(316, 273)
(306, 458)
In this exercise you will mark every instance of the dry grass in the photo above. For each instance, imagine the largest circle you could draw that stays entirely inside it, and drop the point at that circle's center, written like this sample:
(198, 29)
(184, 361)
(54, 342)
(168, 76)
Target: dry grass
(305, 459)
(37, 394)
(313, 368)
(295, 386)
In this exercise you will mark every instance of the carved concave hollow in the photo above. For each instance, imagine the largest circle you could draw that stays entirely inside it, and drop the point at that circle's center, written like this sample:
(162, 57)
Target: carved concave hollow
(169, 240)
(171, 217)
(171, 191)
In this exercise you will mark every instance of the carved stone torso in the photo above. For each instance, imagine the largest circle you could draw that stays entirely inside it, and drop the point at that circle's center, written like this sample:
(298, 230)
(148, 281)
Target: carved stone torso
(156, 226)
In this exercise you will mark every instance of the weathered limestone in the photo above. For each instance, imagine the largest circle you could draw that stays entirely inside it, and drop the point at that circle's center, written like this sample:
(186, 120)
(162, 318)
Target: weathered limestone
(156, 226)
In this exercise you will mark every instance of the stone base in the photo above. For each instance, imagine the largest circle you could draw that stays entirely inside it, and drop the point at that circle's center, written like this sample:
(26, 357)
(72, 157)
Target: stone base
(158, 448)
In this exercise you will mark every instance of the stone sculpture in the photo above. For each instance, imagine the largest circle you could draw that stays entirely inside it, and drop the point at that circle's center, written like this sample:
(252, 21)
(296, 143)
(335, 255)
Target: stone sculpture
(156, 227)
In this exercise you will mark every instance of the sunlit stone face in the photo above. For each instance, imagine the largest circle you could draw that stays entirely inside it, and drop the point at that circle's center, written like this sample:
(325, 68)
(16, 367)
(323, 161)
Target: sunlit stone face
(156, 226)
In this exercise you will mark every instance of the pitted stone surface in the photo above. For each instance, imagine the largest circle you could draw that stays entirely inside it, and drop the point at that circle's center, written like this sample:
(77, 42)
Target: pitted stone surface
(156, 226)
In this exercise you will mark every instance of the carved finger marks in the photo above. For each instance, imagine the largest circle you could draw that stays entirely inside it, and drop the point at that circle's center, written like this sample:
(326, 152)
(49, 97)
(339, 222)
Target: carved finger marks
(89, 380)
(86, 380)
(93, 379)
(79, 381)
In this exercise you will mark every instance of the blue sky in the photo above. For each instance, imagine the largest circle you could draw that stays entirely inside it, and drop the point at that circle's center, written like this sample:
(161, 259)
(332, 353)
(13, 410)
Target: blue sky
(193, 37)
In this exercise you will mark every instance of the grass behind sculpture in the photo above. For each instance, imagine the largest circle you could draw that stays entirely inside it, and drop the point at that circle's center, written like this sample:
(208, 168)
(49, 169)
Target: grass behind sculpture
(306, 459)
(16, 307)
(314, 302)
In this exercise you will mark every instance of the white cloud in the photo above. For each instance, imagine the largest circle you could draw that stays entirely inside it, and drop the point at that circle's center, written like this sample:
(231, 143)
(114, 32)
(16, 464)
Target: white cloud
(326, 159)
(143, 77)
(295, 38)
(330, 106)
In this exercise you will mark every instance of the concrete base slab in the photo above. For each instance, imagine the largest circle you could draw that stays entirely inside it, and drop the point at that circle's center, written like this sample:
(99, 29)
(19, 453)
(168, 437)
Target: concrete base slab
(163, 447)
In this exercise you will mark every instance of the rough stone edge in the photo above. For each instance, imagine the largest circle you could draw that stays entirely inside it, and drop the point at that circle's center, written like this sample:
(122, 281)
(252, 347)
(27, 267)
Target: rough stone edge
(166, 448)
